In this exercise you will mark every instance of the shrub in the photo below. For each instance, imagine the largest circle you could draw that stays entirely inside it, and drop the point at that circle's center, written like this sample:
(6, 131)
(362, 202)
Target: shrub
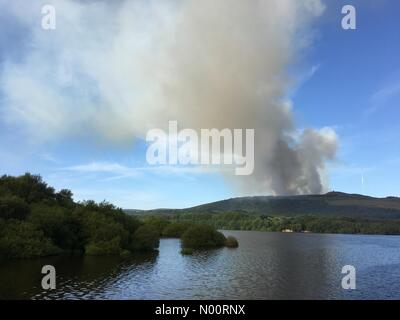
(145, 238)
(187, 251)
(175, 229)
(125, 253)
(157, 223)
(202, 237)
(36, 221)
(110, 247)
(21, 239)
(49, 219)
(101, 228)
(29, 187)
(231, 242)
(13, 207)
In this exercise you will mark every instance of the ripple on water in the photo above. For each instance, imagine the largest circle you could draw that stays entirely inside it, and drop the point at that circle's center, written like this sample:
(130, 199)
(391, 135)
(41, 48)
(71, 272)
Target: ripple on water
(265, 266)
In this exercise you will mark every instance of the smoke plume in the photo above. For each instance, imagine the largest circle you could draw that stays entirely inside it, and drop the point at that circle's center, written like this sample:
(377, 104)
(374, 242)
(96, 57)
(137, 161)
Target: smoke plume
(116, 70)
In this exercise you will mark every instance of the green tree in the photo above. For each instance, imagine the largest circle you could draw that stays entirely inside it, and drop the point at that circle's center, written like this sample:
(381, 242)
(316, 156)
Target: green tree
(146, 238)
(201, 236)
(20, 239)
(13, 207)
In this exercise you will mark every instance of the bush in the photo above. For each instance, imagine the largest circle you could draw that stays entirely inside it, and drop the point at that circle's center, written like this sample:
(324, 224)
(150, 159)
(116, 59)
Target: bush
(13, 207)
(20, 239)
(36, 221)
(145, 238)
(49, 219)
(157, 223)
(176, 229)
(111, 247)
(231, 242)
(29, 187)
(202, 237)
(125, 253)
(186, 251)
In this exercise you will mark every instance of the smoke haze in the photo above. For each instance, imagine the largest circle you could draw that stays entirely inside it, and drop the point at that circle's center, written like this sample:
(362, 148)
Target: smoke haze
(118, 70)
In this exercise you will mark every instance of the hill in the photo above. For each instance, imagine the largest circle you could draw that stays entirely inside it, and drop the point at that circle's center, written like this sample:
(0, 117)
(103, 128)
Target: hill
(329, 204)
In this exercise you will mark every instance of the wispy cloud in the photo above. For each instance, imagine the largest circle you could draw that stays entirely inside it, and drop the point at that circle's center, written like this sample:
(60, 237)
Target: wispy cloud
(99, 167)
(118, 171)
(49, 157)
(307, 76)
(382, 97)
(304, 78)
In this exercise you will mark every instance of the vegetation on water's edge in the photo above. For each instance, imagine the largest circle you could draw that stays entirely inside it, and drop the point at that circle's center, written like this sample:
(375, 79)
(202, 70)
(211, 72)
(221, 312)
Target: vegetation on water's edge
(194, 236)
(36, 221)
(202, 236)
(301, 223)
(187, 251)
(231, 242)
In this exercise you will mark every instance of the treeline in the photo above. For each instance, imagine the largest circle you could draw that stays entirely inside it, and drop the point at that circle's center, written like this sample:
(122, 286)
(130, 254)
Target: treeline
(312, 223)
(35, 221)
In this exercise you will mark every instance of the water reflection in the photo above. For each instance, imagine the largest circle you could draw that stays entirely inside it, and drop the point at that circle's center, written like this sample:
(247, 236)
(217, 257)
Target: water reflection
(265, 266)
(77, 277)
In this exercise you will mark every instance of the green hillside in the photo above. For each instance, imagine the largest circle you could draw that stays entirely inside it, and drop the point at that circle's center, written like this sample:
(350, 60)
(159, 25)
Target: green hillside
(329, 204)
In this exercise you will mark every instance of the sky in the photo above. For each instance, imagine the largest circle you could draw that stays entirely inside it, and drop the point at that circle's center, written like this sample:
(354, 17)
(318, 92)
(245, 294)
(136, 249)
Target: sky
(345, 80)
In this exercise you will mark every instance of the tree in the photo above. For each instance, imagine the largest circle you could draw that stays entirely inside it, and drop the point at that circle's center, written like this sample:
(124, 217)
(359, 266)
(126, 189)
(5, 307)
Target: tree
(146, 238)
(20, 239)
(36, 221)
(13, 207)
(64, 197)
(202, 236)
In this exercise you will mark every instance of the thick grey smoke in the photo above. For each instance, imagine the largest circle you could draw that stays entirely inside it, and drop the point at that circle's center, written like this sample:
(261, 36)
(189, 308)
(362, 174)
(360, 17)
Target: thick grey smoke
(119, 70)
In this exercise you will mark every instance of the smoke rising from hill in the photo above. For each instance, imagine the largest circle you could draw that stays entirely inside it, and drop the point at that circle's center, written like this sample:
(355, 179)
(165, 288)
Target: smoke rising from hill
(117, 70)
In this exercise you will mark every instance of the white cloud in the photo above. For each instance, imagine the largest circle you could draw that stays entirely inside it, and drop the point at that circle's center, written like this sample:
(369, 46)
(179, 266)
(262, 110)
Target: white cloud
(114, 70)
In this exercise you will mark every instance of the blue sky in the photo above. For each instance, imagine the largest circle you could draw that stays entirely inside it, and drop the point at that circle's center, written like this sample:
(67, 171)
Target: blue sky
(348, 80)
(357, 90)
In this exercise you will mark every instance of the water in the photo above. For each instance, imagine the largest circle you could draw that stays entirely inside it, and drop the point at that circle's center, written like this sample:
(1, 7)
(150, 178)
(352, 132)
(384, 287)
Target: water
(265, 266)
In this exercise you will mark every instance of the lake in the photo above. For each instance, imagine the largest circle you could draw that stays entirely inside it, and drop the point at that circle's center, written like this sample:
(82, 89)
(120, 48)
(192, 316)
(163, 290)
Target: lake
(265, 266)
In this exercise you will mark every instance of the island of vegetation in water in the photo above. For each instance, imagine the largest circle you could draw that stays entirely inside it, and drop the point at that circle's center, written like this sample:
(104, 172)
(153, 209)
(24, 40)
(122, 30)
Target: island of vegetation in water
(36, 221)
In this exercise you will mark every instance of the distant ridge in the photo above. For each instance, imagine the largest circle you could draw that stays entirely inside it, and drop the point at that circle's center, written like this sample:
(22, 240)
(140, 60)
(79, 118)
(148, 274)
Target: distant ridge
(332, 203)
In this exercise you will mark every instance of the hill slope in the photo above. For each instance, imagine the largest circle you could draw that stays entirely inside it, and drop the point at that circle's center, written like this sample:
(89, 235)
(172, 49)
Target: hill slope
(332, 204)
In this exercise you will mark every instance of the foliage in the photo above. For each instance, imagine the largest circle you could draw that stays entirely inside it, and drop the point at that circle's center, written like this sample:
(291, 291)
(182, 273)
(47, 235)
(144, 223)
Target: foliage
(146, 238)
(24, 240)
(157, 223)
(300, 223)
(231, 242)
(13, 207)
(175, 229)
(187, 251)
(202, 236)
(35, 221)
(331, 204)
(29, 187)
